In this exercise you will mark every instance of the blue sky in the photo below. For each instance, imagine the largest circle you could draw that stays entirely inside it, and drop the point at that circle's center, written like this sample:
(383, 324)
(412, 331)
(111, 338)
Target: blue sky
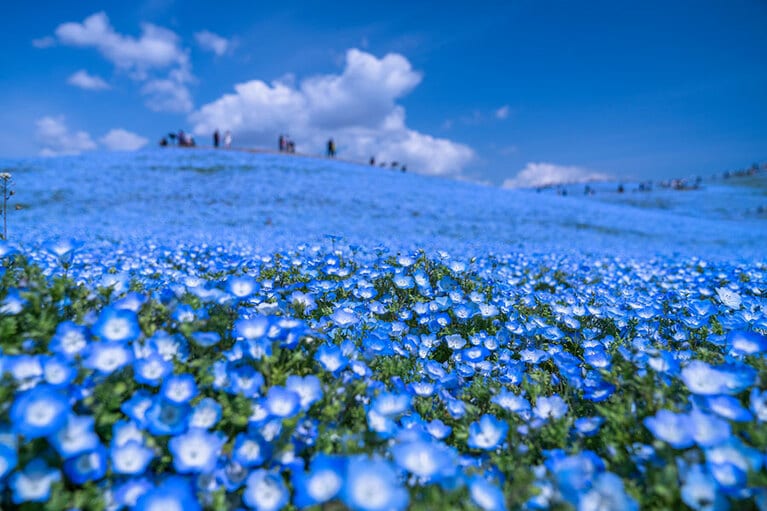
(481, 90)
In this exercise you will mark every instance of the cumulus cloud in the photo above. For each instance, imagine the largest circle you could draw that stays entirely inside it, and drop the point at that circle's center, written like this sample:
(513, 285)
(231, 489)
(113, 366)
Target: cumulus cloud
(121, 140)
(357, 107)
(546, 174)
(503, 112)
(157, 50)
(87, 81)
(57, 139)
(44, 42)
(212, 42)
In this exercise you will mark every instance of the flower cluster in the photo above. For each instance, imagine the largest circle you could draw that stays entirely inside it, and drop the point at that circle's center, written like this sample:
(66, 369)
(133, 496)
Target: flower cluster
(202, 377)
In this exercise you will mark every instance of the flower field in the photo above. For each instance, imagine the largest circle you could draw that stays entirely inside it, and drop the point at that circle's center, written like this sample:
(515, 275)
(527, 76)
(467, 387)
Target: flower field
(399, 365)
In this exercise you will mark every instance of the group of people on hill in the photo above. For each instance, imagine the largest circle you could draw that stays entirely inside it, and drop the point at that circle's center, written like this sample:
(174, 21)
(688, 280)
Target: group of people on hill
(227, 140)
(393, 165)
(183, 139)
(285, 144)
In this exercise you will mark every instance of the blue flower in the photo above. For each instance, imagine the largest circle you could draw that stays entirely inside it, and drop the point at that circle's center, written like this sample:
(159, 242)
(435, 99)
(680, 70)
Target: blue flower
(33, 484)
(128, 493)
(703, 379)
(331, 358)
(179, 389)
(746, 342)
(674, 429)
(13, 303)
(174, 493)
(588, 426)
(758, 402)
(87, 466)
(241, 286)
(308, 389)
(486, 495)
(206, 414)
(427, 460)
(195, 451)
(265, 491)
(39, 412)
(76, 437)
(8, 460)
(321, 483)
(607, 493)
(167, 418)
(253, 328)
(372, 485)
(708, 430)
(390, 405)
(151, 370)
(282, 403)
(69, 340)
(553, 407)
(700, 491)
(107, 357)
(487, 433)
(206, 339)
(58, 371)
(249, 450)
(130, 458)
(117, 325)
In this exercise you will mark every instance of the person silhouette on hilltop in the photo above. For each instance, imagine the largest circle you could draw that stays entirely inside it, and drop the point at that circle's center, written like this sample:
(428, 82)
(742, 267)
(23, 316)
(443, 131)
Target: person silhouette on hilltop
(331, 148)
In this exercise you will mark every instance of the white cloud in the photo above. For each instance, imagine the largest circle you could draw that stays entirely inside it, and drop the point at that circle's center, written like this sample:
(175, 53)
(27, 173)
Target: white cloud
(121, 140)
(156, 50)
(87, 81)
(546, 174)
(212, 42)
(167, 95)
(503, 112)
(56, 138)
(44, 42)
(357, 107)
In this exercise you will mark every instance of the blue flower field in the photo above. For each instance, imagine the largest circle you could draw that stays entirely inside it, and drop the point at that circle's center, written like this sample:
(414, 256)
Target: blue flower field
(200, 330)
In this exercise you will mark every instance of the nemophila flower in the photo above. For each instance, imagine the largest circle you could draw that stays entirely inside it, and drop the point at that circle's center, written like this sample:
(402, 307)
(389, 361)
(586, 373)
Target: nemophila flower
(107, 357)
(117, 325)
(130, 458)
(195, 451)
(265, 491)
(321, 483)
(553, 407)
(151, 370)
(758, 403)
(173, 494)
(708, 430)
(372, 485)
(746, 342)
(607, 493)
(205, 414)
(308, 388)
(428, 460)
(69, 340)
(486, 495)
(735, 452)
(330, 358)
(303, 301)
(725, 406)
(169, 347)
(127, 494)
(26, 370)
(39, 412)
(245, 380)
(588, 426)
(58, 371)
(344, 317)
(75, 437)
(206, 339)
(729, 476)
(251, 328)
(87, 466)
(250, 450)
(389, 404)
(33, 483)
(241, 286)
(381, 424)
(513, 403)
(282, 403)
(703, 379)
(729, 297)
(438, 429)
(700, 491)
(137, 406)
(179, 388)
(487, 433)
(673, 428)
(132, 301)
(13, 303)
(167, 418)
(8, 460)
